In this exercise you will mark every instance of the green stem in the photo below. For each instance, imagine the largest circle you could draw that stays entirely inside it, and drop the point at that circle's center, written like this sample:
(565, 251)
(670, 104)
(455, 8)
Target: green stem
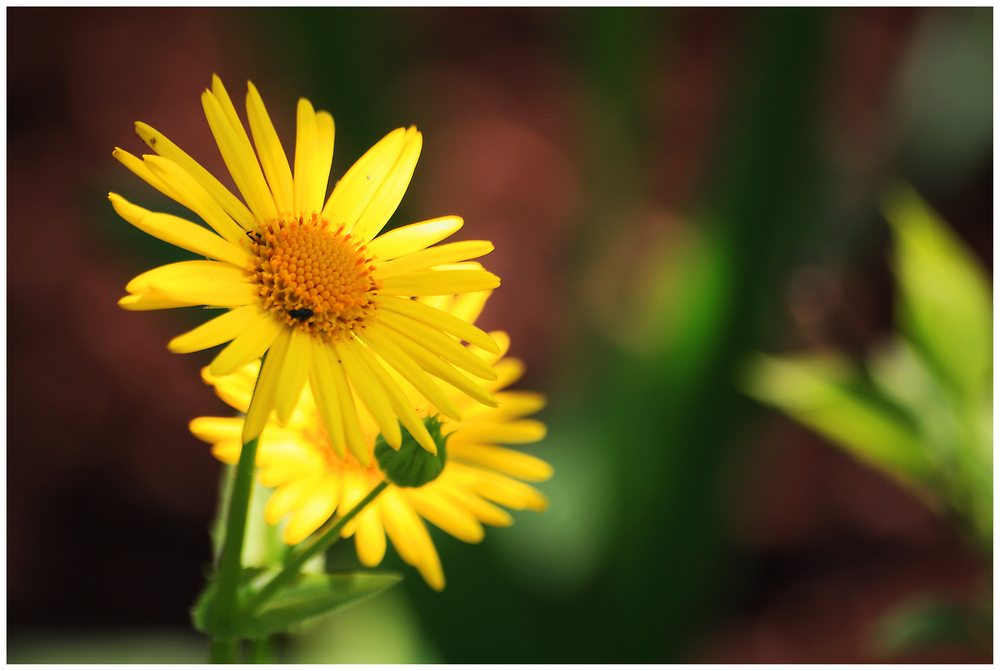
(231, 562)
(261, 651)
(225, 651)
(316, 547)
(227, 579)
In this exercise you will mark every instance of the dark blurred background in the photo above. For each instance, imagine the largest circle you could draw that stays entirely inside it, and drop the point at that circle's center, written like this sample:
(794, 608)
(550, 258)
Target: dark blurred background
(668, 190)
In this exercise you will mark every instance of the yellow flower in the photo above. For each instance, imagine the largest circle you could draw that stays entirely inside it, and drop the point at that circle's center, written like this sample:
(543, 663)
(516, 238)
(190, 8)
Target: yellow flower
(312, 481)
(307, 282)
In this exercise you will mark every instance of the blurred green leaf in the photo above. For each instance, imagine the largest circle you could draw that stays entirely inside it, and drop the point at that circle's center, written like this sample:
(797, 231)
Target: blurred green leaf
(901, 374)
(930, 622)
(823, 392)
(945, 302)
(307, 597)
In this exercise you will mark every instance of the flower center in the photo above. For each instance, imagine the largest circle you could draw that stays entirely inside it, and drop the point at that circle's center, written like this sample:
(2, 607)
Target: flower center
(314, 277)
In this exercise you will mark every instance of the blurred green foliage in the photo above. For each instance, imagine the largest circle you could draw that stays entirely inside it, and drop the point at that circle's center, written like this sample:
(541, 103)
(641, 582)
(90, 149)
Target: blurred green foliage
(922, 412)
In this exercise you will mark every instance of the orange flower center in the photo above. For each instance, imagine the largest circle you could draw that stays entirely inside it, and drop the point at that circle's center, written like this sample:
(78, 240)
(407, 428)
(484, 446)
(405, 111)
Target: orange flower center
(314, 277)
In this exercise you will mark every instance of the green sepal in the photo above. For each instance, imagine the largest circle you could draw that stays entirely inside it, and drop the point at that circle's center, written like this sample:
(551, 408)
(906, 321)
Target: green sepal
(411, 465)
(307, 597)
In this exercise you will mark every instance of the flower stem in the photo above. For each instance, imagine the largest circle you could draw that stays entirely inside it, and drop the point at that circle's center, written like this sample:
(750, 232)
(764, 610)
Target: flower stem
(261, 651)
(316, 547)
(231, 561)
(227, 578)
(225, 651)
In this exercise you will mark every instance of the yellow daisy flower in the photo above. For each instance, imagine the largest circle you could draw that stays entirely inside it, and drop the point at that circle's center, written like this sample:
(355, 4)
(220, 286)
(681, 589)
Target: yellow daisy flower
(312, 481)
(307, 282)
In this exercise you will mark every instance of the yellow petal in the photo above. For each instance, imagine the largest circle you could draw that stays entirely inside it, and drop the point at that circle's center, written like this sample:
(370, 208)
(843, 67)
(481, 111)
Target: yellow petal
(323, 161)
(240, 159)
(313, 156)
(480, 508)
(438, 282)
(194, 197)
(452, 252)
(226, 287)
(370, 391)
(389, 194)
(401, 405)
(234, 389)
(435, 341)
(327, 402)
(382, 343)
(137, 166)
(272, 156)
(509, 371)
(223, 196)
(151, 302)
(248, 346)
(226, 105)
(445, 515)
(513, 405)
(439, 368)
(265, 392)
(355, 190)
(369, 538)
(499, 488)
(182, 270)
(469, 306)
(348, 412)
(409, 535)
(216, 331)
(316, 509)
(399, 521)
(306, 136)
(285, 464)
(413, 238)
(508, 433)
(179, 232)
(228, 451)
(294, 371)
(287, 498)
(438, 319)
(354, 486)
(216, 429)
(510, 462)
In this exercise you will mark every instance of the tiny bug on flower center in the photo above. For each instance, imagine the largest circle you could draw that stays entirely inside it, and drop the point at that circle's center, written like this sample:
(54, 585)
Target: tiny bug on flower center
(300, 313)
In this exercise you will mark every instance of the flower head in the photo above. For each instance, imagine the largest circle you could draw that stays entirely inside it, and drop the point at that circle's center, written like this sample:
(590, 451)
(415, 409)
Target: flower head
(312, 481)
(305, 280)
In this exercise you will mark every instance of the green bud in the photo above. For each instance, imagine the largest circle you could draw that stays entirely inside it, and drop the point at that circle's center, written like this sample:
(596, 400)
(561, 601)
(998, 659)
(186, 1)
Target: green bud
(412, 465)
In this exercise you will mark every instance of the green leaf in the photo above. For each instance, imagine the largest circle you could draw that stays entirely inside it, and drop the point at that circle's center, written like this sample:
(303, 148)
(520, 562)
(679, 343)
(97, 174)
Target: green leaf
(311, 596)
(307, 597)
(824, 393)
(945, 299)
(201, 613)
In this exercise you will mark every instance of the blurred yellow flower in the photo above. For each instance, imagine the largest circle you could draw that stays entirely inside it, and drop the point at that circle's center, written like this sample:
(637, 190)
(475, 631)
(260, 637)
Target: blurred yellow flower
(312, 481)
(307, 282)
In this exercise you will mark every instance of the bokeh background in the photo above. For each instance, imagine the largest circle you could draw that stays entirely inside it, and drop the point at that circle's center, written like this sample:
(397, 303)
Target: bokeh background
(668, 190)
